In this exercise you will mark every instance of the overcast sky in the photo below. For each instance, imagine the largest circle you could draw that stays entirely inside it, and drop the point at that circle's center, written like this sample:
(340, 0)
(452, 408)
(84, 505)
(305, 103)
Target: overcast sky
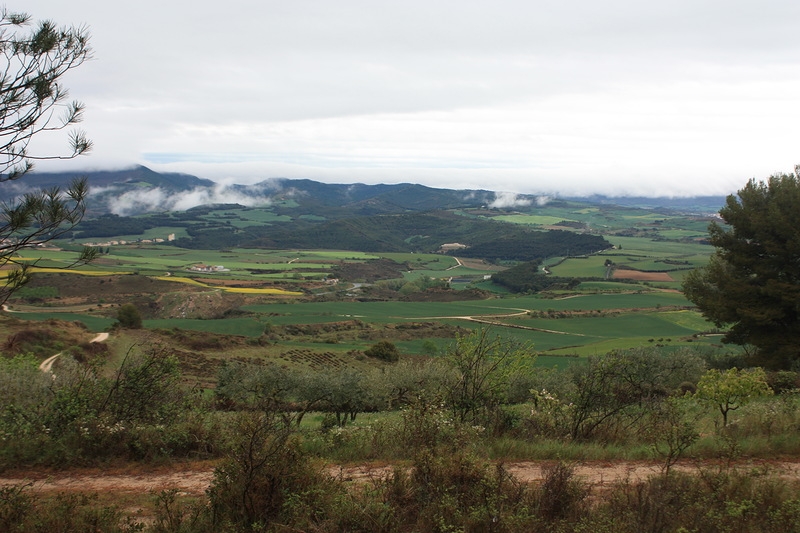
(624, 97)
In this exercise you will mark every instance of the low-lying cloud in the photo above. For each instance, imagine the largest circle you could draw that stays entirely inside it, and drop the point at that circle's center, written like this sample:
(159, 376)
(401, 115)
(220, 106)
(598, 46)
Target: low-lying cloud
(158, 199)
(504, 200)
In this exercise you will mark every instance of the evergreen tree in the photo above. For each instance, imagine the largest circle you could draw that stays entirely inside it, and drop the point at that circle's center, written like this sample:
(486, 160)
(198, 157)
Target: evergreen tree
(31, 99)
(752, 282)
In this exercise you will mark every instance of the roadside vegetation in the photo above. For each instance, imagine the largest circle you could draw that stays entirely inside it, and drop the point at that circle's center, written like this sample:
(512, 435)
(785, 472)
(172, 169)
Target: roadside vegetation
(447, 424)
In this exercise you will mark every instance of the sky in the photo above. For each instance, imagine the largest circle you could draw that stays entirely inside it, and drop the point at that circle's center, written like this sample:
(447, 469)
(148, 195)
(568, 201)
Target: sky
(565, 97)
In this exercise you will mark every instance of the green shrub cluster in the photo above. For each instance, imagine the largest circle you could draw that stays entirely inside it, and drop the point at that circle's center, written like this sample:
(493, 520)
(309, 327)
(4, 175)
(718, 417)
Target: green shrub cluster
(267, 483)
(24, 511)
(440, 422)
(80, 413)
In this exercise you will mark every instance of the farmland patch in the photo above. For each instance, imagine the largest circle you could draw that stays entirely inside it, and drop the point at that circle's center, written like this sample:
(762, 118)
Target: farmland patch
(639, 275)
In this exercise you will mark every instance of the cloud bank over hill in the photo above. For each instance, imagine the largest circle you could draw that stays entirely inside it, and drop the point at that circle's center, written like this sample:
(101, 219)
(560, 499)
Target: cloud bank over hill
(504, 200)
(158, 199)
(620, 98)
(125, 202)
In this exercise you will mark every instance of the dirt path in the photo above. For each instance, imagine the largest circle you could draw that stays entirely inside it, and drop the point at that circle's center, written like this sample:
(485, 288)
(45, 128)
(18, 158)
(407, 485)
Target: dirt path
(189, 481)
(491, 320)
(47, 364)
(195, 479)
(458, 264)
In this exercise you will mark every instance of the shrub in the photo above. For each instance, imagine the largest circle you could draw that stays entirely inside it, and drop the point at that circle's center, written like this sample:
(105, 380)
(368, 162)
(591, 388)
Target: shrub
(23, 510)
(383, 350)
(710, 501)
(266, 479)
(561, 496)
(457, 492)
(128, 317)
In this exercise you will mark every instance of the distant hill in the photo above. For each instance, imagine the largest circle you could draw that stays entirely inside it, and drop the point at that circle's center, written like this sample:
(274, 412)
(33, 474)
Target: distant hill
(693, 204)
(135, 176)
(106, 187)
(306, 214)
(139, 190)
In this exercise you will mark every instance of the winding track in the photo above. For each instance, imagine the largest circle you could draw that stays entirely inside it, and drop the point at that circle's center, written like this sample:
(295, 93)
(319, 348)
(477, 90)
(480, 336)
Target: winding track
(47, 364)
(488, 320)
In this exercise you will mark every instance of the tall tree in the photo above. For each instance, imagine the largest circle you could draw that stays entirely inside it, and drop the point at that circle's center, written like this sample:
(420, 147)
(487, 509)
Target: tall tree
(752, 282)
(33, 102)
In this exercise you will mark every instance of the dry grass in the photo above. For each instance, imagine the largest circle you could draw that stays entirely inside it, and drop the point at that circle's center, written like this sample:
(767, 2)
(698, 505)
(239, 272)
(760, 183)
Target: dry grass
(642, 276)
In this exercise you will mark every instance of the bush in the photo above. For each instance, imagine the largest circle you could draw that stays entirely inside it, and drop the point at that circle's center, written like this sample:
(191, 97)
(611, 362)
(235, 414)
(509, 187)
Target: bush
(457, 492)
(24, 510)
(383, 350)
(86, 414)
(711, 501)
(267, 479)
(128, 317)
(561, 496)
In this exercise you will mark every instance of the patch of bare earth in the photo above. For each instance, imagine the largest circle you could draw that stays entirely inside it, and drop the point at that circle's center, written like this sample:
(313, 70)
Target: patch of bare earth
(191, 479)
(639, 275)
(196, 478)
(479, 264)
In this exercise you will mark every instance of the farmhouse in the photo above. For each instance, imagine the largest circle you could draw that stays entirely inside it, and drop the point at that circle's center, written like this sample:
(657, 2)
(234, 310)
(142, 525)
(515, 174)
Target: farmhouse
(208, 268)
(452, 246)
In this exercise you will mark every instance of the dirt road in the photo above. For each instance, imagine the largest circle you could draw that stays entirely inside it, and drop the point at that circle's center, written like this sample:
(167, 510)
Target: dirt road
(47, 364)
(195, 479)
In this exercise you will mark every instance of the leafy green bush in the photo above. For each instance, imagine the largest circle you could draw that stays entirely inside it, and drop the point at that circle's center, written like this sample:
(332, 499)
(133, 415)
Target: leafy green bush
(383, 350)
(83, 413)
(128, 317)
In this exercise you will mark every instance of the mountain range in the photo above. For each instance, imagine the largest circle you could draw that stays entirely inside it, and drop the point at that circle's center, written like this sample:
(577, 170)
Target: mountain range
(140, 190)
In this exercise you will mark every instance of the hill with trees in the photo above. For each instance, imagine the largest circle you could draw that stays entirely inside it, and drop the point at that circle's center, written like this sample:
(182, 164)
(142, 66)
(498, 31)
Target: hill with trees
(526, 277)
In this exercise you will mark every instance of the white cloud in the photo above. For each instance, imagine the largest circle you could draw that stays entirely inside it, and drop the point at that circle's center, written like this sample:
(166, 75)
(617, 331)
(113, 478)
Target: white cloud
(157, 199)
(618, 97)
(508, 199)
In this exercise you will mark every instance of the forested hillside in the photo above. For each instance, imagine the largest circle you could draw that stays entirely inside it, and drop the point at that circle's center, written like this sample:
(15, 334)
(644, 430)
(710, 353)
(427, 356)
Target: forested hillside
(403, 233)
(533, 245)
(526, 277)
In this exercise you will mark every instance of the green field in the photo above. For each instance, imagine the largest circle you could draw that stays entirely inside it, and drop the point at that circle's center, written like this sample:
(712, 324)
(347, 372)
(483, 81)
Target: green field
(535, 220)
(599, 315)
(239, 264)
(391, 311)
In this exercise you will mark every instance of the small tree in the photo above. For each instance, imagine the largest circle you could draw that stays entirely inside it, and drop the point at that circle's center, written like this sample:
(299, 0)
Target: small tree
(128, 317)
(672, 430)
(616, 386)
(348, 393)
(482, 367)
(409, 381)
(30, 95)
(264, 387)
(730, 389)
